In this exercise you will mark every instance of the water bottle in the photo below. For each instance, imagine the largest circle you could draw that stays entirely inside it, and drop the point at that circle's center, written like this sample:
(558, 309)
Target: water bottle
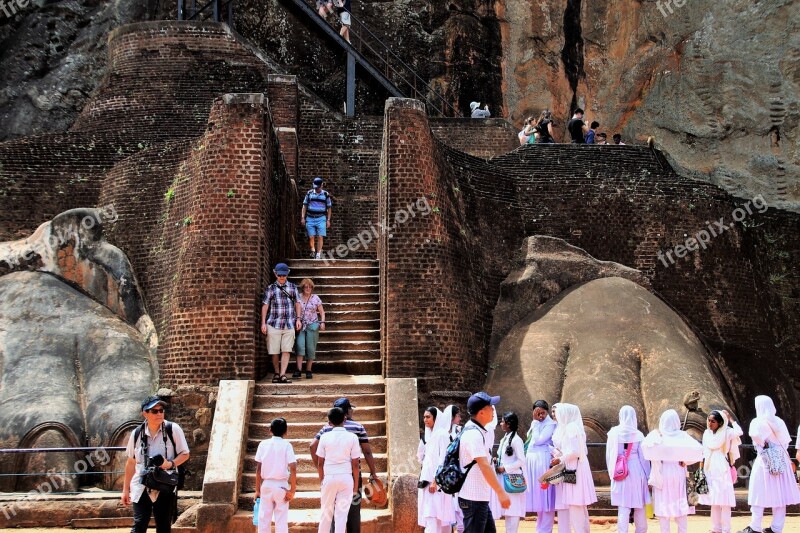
(255, 511)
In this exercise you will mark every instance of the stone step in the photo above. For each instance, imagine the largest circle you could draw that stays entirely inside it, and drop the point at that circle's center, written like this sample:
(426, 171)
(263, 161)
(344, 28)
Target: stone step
(331, 270)
(346, 308)
(353, 355)
(307, 520)
(333, 281)
(306, 480)
(299, 413)
(340, 263)
(343, 385)
(340, 313)
(304, 463)
(366, 297)
(349, 335)
(315, 400)
(335, 342)
(307, 430)
(333, 322)
(349, 288)
(369, 367)
(377, 444)
(106, 523)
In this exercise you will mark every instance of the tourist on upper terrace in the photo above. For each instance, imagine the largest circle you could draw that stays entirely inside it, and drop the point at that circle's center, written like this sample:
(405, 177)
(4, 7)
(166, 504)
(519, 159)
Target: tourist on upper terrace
(628, 471)
(544, 128)
(337, 459)
(477, 438)
(577, 127)
(313, 318)
(526, 134)
(510, 460)
(325, 8)
(669, 450)
(720, 450)
(592, 131)
(280, 317)
(155, 443)
(479, 111)
(276, 478)
(437, 509)
(772, 483)
(602, 138)
(537, 460)
(344, 14)
(354, 514)
(618, 139)
(316, 216)
(572, 499)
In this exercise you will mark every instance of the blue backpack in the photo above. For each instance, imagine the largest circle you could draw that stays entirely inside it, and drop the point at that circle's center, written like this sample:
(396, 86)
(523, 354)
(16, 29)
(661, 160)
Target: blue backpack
(449, 475)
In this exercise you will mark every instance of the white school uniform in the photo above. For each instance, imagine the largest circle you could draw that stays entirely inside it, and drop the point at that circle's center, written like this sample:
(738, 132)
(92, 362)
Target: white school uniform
(438, 512)
(513, 464)
(274, 457)
(338, 447)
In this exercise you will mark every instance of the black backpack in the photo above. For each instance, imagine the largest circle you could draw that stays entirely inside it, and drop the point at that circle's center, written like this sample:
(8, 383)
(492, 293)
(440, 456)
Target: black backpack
(449, 475)
(183, 471)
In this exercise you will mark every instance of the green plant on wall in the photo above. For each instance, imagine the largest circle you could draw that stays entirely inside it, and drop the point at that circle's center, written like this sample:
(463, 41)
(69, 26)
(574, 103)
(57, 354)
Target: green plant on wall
(186, 221)
(169, 195)
(231, 193)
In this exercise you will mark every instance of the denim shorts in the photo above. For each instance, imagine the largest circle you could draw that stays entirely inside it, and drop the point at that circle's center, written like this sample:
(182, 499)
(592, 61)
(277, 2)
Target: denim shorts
(316, 226)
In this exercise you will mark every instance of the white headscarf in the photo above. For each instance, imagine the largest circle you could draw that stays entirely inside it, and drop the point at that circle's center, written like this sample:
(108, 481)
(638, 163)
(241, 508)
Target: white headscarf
(626, 431)
(724, 440)
(768, 426)
(434, 443)
(669, 443)
(570, 425)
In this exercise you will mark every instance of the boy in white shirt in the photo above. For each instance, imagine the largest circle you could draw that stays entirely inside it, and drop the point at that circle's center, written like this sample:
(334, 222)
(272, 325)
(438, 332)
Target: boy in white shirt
(276, 479)
(339, 452)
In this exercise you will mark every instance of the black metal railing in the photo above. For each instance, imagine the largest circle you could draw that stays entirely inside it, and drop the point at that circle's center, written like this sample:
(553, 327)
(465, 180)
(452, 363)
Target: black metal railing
(216, 10)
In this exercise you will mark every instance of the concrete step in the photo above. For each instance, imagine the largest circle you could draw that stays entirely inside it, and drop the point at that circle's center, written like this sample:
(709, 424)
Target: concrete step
(304, 463)
(377, 444)
(307, 430)
(300, 413)
(306, 480)
(333, 281)
(334, 334)
(315, 400)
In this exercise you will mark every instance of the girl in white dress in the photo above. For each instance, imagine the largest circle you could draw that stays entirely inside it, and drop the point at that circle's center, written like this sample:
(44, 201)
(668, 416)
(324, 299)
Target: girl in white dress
(429, 417)
(765, 489)
(572, 499)
(720, 450)
(511, 459)
(537, 461)
(632, 492)
(437, 507)
(670, 450)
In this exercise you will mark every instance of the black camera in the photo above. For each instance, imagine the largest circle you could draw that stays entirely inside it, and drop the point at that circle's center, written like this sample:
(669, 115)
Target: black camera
(157, 460)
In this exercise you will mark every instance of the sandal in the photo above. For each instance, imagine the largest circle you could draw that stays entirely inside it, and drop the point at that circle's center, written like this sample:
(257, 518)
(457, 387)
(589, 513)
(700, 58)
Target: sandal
(276, 378)
(284, 379)
(309, 375)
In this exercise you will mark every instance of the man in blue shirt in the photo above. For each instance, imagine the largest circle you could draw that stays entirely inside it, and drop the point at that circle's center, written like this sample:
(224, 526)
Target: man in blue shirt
(316, 216)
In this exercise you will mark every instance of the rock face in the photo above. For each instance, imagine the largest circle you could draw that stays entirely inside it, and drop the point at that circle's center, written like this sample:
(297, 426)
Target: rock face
(601, 345)
(717, 84)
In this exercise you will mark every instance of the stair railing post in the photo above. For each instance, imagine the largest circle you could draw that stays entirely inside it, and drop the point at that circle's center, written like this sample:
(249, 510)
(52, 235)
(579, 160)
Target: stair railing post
(194, 8)
(216, 10)
(180, 9)
(230, 13)
(351, 85)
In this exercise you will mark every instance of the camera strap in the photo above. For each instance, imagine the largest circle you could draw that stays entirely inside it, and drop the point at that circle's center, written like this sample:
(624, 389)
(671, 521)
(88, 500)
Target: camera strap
(140, 432)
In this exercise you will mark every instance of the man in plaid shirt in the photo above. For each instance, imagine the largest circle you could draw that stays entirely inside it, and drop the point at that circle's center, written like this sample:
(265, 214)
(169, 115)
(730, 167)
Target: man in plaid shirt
(280, 317)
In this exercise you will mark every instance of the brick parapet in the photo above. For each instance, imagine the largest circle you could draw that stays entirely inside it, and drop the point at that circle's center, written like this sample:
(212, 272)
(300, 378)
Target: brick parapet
(484, 138)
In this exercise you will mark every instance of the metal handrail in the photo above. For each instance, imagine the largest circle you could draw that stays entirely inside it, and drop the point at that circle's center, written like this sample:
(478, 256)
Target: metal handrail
(216, 6)
(56, 450)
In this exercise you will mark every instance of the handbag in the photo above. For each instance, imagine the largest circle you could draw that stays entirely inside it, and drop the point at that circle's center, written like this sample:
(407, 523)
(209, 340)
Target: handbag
(775, 459)
(621, 466)
(570, 476)
(375, 493)
(700, 481)
(157, 478)
(514, 483)
(553, 475)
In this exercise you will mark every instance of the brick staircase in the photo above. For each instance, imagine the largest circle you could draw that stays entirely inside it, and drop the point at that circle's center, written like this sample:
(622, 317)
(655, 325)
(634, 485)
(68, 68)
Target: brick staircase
(348, 364)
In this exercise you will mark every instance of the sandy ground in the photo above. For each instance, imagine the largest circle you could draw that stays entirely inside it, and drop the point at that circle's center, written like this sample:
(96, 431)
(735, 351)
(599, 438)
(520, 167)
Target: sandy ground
(697, 524)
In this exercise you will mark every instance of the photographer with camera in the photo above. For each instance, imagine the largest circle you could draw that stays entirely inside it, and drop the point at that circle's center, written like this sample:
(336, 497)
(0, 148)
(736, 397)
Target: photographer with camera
(155, 450)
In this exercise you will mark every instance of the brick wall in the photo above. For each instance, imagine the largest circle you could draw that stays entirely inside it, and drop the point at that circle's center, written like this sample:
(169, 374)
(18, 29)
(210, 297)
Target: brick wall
(479, 137)
(622, 204)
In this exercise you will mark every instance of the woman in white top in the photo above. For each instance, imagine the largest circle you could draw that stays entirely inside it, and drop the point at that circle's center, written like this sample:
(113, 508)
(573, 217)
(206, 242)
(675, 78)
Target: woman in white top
(537, 461)
(766, 489)
(572, 499)
(631, 492)
(429, 417)
(437, 507)
(720, 450)
(670, 450)
(510, 459)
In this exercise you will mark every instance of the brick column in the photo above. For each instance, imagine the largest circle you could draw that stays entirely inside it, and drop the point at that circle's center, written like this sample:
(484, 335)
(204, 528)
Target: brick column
(284, 108)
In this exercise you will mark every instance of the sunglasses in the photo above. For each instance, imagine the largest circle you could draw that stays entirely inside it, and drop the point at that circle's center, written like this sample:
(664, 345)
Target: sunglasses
(156, 411)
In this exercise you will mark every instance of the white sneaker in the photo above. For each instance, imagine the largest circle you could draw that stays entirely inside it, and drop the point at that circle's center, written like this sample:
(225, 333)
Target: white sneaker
(319, 256)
